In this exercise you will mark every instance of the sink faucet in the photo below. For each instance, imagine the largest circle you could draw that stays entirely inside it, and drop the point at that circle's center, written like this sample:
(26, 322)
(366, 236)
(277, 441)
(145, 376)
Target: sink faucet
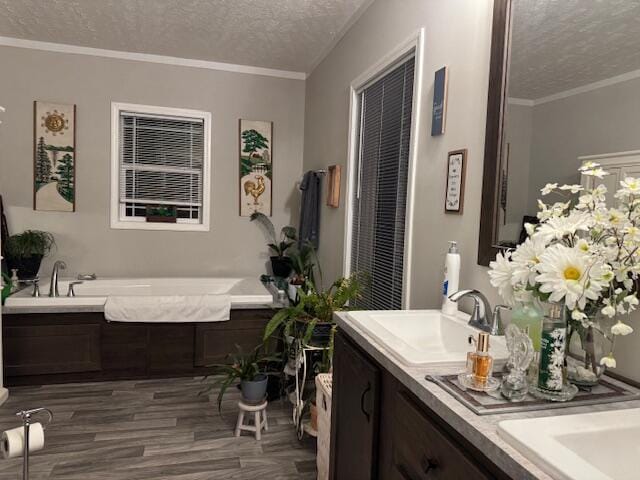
(53, 286)
(479, 316)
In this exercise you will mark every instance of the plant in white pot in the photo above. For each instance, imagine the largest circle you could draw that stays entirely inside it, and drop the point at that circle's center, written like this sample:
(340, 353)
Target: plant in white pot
(586, 256)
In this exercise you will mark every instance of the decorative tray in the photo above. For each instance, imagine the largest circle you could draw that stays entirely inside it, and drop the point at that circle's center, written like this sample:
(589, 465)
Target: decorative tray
(608, 390)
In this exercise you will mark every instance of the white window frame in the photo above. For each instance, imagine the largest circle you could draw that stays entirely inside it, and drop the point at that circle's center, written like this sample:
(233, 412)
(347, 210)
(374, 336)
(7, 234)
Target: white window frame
(414, 44)
(118, 220)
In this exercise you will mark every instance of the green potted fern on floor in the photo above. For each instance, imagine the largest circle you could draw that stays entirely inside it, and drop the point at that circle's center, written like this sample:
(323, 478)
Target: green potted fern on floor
(248, 370)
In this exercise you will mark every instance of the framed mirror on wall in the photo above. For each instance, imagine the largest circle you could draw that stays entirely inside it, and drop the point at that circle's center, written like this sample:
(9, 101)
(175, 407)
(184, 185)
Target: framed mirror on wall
(564, 85)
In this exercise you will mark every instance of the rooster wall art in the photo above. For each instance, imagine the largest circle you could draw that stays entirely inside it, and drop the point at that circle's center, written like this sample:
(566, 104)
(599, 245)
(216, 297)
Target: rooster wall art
(256, 167)
(250, 188)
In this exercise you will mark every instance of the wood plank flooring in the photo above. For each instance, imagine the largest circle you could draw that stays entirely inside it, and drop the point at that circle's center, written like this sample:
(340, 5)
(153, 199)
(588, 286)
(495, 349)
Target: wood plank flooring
(153, 429)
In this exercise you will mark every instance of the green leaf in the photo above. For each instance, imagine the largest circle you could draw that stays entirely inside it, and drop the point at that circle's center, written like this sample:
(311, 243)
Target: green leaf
(275, 322)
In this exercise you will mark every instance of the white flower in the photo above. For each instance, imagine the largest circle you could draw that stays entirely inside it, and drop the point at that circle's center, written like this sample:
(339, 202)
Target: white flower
(525, 260)
(609, 311)
(578, 315)
(630, 186)
(631, 300)
(569, 274)
(595, 172)
(529, 228)
(608, 361)
(588, 166)
(621, 329)
(583, 245)
(556, 228)
(572, 188)
(501, 274)
(548, 188)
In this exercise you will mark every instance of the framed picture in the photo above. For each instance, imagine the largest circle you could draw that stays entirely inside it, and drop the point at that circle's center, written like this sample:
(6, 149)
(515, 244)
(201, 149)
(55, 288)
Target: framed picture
(456, 170)
(256, 167)
(333, 186)
(439, 116)
(54, 157)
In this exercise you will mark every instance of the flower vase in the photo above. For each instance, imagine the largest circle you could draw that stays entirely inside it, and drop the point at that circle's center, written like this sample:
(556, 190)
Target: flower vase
(585, 349)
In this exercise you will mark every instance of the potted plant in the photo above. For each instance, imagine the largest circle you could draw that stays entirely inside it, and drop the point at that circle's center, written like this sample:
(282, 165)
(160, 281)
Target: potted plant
(311, 319)
(161, 214)
(280, 262)
(249, 369)
(26, 250)
(302, 264)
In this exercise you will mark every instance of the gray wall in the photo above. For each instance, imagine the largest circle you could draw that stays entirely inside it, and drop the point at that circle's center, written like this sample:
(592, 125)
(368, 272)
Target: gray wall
(518, 130)
(457, 34)
(85, 241)
(600, 121)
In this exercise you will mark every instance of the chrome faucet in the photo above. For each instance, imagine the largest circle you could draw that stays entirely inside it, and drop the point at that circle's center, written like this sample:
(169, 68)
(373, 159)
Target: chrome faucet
(479, 316)
(53, 286)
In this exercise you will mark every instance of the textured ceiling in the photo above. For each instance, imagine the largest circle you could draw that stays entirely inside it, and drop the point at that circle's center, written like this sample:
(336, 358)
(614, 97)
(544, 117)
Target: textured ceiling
(559, 45)
(279, 34)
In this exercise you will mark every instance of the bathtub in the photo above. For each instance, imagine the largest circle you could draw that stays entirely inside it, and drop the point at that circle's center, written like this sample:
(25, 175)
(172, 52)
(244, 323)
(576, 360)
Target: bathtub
(91, 295)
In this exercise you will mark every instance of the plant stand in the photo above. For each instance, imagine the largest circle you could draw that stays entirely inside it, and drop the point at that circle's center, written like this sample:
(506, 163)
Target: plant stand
(298, 401)
(259, 419)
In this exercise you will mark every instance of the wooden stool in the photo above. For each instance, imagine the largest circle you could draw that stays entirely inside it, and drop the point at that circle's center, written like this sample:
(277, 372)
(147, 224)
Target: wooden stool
(259, 418)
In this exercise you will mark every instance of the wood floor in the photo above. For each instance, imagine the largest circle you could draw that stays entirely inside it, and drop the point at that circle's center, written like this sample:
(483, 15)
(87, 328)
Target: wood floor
(153, 429)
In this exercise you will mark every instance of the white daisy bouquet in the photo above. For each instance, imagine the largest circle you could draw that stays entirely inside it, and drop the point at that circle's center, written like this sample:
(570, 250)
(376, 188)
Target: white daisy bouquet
(582, 253)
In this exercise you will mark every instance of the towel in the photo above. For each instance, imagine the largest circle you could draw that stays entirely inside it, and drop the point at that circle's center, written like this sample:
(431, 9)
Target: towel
(309, 231)
(164, 309)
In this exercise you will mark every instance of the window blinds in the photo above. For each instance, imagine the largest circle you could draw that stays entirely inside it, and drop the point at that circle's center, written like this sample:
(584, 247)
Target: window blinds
(380, 196)
(161, 161)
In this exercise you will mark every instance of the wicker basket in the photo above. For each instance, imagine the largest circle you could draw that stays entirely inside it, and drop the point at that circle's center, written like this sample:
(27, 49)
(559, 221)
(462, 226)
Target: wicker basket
(323, 404)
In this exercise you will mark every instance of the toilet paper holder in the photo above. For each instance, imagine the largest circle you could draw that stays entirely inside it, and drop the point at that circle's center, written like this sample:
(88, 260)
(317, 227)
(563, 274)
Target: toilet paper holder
(26, 416)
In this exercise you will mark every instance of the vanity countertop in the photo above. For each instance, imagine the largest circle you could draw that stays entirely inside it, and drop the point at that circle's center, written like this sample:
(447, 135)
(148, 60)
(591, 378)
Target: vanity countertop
(482, 431)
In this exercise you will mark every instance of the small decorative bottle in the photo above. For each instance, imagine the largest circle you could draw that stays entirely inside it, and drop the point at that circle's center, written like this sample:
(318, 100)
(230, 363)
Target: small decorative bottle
(552, 347)
(479, 374)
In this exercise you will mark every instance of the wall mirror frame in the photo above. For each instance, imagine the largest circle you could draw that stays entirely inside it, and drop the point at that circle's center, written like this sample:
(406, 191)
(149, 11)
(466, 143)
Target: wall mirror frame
(496, 102)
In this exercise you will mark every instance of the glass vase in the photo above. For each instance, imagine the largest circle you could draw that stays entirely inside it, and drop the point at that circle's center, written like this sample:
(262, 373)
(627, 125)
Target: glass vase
(587, 345)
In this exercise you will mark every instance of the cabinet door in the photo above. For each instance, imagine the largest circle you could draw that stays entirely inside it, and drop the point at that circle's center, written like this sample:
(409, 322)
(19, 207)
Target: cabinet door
(216, 340)
(422, 450)
(47, 349)
(354, 413)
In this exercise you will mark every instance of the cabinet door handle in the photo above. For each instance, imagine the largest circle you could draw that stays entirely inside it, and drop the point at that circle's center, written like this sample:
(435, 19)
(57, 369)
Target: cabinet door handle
(428, 465)
(362, 400)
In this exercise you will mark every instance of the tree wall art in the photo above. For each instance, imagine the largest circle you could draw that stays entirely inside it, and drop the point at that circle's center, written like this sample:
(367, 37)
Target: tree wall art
(256, 167)
(54, 172)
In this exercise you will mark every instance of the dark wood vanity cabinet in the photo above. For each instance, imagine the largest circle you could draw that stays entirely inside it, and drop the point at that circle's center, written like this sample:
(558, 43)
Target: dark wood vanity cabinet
(381, 431)
(357, 386)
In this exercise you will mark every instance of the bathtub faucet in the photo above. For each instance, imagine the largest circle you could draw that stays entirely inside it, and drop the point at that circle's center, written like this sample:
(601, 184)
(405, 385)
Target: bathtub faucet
(53, 286)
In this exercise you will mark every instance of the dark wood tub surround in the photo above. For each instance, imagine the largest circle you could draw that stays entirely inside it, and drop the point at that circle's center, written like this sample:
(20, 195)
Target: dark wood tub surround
(74, 347)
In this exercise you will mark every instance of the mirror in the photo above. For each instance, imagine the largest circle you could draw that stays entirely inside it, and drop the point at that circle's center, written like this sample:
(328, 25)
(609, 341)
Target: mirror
(564, 85)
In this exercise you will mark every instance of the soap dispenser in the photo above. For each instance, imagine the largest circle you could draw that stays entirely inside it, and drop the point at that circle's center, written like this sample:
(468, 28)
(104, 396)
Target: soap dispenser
(451, 281)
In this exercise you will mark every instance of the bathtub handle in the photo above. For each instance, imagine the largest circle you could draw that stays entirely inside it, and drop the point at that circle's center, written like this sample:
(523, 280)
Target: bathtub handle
(71, 292)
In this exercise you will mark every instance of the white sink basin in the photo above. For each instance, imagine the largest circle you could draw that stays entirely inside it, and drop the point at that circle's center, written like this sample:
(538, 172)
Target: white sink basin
(589, 446)
(424, 337)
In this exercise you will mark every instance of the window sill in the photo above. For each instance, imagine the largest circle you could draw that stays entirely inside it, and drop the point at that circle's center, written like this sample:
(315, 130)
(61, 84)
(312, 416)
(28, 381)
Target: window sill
(172, 227)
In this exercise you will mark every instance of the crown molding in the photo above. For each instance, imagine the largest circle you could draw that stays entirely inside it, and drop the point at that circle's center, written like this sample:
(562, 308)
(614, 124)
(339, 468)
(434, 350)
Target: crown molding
(150, 58)
(521, 101)
(607, 82)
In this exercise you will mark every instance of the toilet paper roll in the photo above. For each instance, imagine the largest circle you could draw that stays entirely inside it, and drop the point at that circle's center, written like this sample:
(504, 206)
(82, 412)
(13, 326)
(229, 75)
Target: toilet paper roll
(13, 440)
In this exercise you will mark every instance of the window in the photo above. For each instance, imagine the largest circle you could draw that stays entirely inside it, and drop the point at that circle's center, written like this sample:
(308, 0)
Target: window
(160, 168)
(381, 172)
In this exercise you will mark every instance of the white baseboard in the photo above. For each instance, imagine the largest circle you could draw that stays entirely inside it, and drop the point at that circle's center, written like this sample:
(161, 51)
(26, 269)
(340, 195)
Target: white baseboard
(4, 394)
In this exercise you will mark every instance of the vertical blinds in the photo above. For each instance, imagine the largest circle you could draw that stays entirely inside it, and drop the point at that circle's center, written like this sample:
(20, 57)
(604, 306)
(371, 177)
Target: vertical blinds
(378, 227)
(161, 160)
